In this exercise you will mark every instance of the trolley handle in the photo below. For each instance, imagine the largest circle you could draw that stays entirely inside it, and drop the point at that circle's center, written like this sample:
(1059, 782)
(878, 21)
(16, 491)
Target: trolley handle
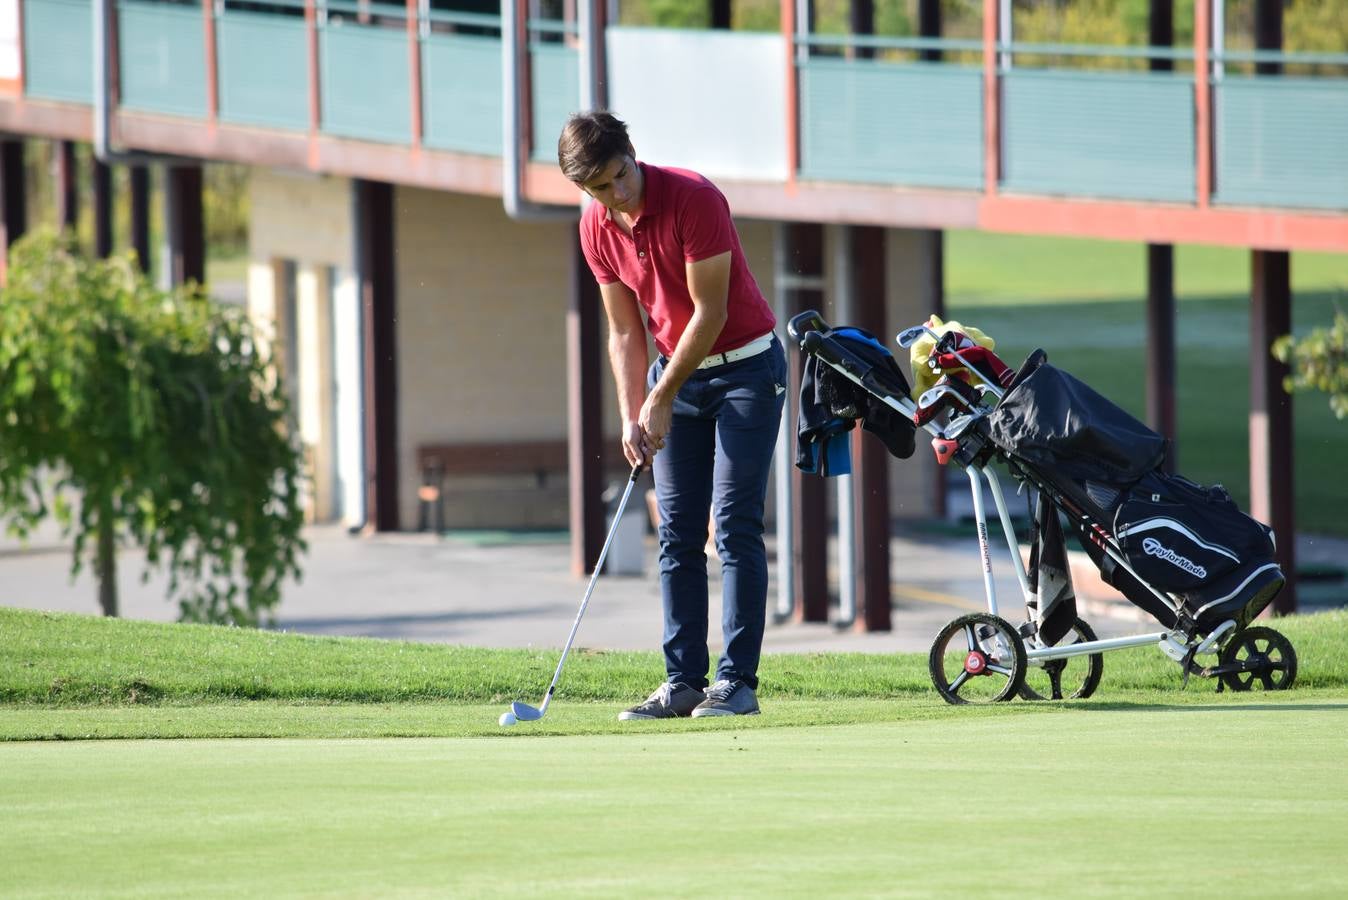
(830, 351)
(804, 323)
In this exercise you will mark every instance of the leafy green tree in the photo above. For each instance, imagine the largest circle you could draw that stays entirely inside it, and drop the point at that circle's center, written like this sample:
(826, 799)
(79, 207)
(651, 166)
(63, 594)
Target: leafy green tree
(156, 412)
(1319, 361)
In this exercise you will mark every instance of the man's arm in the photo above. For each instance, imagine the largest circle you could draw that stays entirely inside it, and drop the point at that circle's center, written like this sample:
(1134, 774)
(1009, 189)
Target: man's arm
(627, 357)
(709, 287)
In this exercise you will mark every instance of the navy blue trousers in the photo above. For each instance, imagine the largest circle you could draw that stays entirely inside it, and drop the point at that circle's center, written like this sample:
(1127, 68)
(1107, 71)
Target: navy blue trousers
(716, 459)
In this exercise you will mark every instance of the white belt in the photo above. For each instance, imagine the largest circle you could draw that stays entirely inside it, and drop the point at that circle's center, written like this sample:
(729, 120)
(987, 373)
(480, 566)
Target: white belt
(753, 348)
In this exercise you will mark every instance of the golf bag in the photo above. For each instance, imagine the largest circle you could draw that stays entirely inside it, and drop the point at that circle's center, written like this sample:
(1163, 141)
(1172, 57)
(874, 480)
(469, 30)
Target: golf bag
(1103, 469)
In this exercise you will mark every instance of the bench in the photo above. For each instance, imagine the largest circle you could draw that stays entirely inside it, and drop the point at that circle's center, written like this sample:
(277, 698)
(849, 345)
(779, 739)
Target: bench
(544, 460)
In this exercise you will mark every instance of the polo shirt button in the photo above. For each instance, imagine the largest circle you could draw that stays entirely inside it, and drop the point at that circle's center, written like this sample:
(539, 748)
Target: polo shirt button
(641, 254)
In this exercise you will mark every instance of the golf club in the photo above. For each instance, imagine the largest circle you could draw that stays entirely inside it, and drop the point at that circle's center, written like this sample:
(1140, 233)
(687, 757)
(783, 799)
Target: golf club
(523, 712)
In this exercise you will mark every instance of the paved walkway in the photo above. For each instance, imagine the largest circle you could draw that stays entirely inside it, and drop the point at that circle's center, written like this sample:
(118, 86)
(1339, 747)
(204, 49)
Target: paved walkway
(473, 591)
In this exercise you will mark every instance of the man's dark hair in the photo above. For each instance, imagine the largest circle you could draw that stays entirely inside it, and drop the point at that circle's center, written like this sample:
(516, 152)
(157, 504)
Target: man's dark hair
(589, 142)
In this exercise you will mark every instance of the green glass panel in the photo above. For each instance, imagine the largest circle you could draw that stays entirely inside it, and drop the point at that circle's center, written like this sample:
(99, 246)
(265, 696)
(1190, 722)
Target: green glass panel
(58, 50)
(1282, 142)
(555, 73)
(461, 96)
(1126, 135)
(364, 82)
(162, 58)
(918, 123)
(264, 70)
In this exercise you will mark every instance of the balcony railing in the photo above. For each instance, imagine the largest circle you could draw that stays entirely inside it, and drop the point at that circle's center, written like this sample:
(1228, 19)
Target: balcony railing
(871, 110)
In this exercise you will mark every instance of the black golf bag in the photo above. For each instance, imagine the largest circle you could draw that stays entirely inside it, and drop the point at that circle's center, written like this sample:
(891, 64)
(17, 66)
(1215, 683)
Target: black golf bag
(1102, 468)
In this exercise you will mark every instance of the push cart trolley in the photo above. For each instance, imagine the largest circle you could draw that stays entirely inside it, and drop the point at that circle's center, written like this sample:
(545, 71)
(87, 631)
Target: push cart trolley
(982, 657)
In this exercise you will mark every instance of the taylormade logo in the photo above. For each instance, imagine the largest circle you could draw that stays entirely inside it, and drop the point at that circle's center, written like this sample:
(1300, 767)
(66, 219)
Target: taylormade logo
(1153, 547)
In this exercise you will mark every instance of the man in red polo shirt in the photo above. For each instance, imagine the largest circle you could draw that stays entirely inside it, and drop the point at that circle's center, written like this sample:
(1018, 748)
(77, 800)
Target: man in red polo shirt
(704, 415)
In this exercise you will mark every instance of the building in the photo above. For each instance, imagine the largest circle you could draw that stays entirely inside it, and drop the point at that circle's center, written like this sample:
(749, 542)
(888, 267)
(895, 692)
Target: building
(413, 242)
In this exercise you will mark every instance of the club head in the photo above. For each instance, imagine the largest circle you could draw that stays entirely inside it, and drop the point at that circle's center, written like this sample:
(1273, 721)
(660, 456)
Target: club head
(909, 336)
(526, 713)
(931, 396)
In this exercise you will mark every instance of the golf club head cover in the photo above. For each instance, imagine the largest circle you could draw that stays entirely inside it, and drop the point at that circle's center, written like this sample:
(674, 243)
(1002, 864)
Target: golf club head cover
(988, 364)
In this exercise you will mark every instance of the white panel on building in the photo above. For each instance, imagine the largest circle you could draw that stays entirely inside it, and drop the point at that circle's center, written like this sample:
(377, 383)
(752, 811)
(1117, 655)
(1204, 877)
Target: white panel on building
(708, 102)
(9, 40)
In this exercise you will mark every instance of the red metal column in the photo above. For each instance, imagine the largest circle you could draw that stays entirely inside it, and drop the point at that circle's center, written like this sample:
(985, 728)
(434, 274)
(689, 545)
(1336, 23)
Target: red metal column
(1202, 102)
(1271, 424)
(1161, 370)
(67, 194)
(584, 414)
(870, 479)
(414, 70)
(315, 105)
(212, 63)
(375, 223)
(101, 183)
(801, 271)
(13, 200)
(992, 106)
(140, 215)
(585, 355)
(185, 224)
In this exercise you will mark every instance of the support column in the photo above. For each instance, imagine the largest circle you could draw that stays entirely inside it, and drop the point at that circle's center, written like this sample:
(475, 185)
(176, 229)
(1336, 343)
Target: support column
(375, 267)
(915, 267)
(585, 414)
(866, 248)
(721, 13)
(184, 227)
(929, 25)
(1268, 33)
(1161, 369)
(861, 21)
(13, 199)
(101, 183)
(67, 187)
(1272, 498)
(139, 178)
(800, 277)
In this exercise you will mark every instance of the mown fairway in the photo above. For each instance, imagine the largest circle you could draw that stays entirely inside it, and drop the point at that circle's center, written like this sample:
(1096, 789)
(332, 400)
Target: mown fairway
(1243, 799)
(385, 774)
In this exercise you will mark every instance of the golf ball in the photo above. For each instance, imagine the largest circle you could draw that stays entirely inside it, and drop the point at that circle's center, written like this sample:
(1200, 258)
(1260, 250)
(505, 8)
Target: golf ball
(508, 719)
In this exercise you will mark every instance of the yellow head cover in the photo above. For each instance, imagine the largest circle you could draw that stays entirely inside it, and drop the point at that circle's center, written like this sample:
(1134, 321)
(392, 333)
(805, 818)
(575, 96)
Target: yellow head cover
(924, 377)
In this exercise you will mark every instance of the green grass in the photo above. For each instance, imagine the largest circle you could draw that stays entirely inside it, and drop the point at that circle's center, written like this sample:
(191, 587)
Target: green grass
(1229, 802)
(385, 774)
(1083, 302)
(68, 668)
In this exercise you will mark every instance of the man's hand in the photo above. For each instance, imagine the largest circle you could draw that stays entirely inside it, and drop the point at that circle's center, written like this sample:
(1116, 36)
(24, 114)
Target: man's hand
(655, 420)
(634, 445)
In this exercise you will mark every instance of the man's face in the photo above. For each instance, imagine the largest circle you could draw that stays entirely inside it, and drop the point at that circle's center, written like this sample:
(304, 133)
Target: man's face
(618, 186)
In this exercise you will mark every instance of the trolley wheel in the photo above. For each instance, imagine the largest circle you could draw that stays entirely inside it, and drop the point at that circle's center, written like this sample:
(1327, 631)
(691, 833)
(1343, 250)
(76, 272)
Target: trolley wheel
(1073, 678)
(978, 658)
(1259, 657)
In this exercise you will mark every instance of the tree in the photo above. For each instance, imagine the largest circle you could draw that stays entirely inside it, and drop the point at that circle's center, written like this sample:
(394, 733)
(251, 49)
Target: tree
(1319, 361)
(157, 412)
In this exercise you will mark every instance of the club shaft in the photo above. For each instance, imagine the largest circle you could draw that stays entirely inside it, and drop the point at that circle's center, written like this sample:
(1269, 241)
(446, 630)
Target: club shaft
(598, 567)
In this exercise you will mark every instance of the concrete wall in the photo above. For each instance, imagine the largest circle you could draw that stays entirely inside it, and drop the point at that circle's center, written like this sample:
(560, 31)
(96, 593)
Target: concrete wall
(482, 306)
(481, 348)
(481, 332)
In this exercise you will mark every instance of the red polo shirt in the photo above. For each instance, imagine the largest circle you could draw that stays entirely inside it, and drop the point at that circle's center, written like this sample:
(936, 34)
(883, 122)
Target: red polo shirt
(684, 219)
